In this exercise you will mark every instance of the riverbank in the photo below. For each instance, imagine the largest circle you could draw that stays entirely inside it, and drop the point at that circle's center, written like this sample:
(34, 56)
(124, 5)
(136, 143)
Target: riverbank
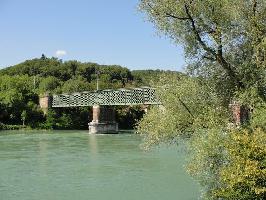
(7, 127)
(12, 127)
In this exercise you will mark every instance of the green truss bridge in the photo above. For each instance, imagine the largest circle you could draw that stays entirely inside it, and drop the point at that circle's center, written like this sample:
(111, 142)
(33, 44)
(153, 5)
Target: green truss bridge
(102, 102)
(134, 96)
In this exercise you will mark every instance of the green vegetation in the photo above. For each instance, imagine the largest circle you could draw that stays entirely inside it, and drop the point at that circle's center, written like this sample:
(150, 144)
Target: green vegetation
(22, 84)
(224, 42)
(225, 45)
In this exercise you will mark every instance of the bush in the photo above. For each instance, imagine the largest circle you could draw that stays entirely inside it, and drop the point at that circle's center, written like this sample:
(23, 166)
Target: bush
(230, 165)
(244, 177)
(11, 127)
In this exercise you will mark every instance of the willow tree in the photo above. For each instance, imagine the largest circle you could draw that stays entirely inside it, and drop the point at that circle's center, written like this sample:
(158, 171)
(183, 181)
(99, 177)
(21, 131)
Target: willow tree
(224, 40)
(225, 44)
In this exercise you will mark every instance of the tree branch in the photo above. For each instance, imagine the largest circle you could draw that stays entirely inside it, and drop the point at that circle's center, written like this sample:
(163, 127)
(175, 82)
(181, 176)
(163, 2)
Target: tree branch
(254, 7)
(185, 106)
(175, 17)
(168, 14)
(209, 58)
(221, 60)
(219, 55)
(196, 32)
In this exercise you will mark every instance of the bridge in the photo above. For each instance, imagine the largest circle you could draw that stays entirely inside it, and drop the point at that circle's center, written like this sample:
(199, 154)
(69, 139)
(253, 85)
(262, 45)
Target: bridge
(133, 96)
(102, 102)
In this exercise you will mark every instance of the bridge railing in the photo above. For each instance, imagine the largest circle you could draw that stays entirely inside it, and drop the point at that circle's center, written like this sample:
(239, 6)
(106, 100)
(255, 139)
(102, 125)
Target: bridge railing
(134, 96)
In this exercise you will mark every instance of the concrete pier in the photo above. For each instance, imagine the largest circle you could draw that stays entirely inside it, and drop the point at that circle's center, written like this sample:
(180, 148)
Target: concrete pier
(103, 120)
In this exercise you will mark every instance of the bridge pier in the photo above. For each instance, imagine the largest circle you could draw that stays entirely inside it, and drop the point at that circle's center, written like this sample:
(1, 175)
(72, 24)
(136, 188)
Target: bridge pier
(240, 113)
(45, 103)
(103, 120)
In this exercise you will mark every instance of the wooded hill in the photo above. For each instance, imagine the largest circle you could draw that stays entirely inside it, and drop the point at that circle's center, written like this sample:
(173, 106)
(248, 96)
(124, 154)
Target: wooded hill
(21, 85)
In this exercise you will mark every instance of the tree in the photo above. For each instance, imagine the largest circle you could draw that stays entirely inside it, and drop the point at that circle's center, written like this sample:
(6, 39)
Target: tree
(51, 119)
(191, 112)
(43, 57)
(230, 166)
(224, 42)
(243, 176)
(127, 117)
(72, 66)
(77, 84)
(15, 92)
(223, 39)
(54, 76)
(23, 117)
(64, 122)
(188, 106)
(48, 84)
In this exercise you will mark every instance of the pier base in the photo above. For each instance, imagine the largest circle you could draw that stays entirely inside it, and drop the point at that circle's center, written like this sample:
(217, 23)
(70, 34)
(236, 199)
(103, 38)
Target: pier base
(111, 127)
(103, 120)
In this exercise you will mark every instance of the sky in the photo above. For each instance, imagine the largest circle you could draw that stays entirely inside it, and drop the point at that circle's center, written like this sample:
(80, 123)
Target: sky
(101, 31)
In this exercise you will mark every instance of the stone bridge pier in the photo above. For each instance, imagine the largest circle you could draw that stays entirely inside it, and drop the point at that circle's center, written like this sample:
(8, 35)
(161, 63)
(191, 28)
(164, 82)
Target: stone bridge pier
(103, 120)
(45, 102)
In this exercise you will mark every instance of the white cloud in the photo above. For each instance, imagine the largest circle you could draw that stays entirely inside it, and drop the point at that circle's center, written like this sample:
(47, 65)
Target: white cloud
(60, 53)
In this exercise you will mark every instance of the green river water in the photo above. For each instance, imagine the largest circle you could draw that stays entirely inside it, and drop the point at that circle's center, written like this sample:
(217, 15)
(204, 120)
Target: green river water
(73, 165)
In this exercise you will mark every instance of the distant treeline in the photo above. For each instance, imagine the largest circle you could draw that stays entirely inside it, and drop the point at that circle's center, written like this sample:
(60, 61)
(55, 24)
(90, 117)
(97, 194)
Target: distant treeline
(21, 85)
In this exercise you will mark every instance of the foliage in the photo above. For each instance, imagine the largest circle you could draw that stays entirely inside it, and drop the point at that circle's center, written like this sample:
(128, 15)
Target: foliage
(127, 117)
(17, 95)
(10, 127)
(21, 85)
(188, 105)
(77, 84)
(147, 77)
(49, 85)
(39, 66)
(224, 43)
(224, 40)
(23, 116)
(64, 122)
(258, 117)
(244, 175)
(230, 165)
(51, 119)
(207, 156)
(15, 89)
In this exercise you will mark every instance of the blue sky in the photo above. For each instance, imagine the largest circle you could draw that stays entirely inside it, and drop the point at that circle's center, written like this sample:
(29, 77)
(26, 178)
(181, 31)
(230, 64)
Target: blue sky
(102, 31)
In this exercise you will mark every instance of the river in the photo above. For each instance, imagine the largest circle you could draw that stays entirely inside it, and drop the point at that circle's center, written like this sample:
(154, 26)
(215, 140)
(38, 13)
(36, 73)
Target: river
(73, 165)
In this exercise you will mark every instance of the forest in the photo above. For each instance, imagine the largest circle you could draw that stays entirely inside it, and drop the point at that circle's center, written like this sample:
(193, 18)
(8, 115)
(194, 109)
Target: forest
(22, 84)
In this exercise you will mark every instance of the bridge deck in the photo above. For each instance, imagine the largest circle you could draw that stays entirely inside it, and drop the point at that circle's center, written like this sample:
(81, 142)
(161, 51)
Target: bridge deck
(133, 96)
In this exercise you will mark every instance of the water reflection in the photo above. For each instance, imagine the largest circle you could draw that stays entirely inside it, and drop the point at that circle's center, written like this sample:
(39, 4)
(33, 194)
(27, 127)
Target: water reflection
(93, 146)
(43, 161)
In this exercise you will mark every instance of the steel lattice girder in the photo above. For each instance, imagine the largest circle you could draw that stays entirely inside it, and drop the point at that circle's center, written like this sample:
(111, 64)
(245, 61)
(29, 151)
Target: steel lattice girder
(134, 96)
